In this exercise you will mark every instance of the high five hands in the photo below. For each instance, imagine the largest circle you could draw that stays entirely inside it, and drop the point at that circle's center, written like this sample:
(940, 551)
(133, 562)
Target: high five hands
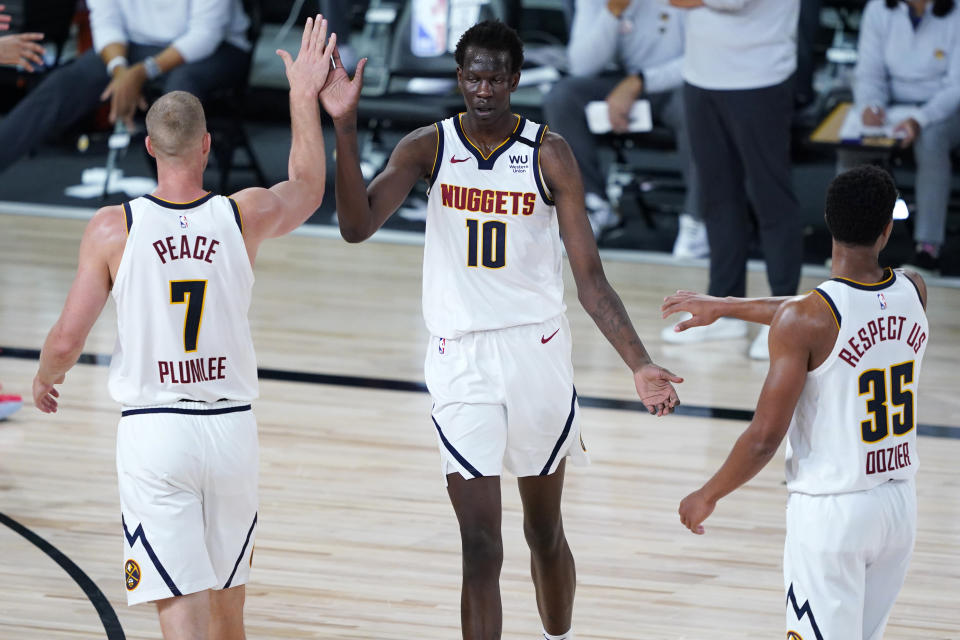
(309, 72)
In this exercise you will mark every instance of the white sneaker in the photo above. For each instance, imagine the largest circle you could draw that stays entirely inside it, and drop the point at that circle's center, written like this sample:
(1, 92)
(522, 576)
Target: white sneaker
(691, 239)
(600, 214)
(722, 329)
(758, 348)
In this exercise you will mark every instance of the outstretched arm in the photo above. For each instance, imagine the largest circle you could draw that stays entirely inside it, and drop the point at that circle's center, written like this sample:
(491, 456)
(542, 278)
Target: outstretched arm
(362, 209)
(706, 309)
(594, 291)
(104, 237)
(792, 334)
(268, 213)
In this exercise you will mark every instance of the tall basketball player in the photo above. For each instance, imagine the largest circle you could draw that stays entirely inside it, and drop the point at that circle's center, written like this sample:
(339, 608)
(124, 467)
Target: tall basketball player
(502, 190)
(179, 265)
(842, 387)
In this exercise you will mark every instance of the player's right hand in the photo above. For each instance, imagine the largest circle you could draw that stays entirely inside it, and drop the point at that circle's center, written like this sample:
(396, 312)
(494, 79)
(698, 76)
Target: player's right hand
(694, 509)
(45, 395)
(341, 94)
(308, 73)
(704, 309)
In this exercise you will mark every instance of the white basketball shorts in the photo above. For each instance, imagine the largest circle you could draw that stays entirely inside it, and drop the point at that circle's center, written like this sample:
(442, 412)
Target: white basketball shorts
(845, 559)
(505, 399)
(188, 477)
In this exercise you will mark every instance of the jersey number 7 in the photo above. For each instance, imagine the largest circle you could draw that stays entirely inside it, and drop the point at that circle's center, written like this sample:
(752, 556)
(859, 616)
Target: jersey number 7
(880, 423)
(191, 292)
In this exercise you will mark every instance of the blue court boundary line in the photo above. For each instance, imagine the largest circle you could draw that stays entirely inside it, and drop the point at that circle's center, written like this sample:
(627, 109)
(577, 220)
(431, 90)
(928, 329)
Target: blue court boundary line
(391, 384)
(108, 617)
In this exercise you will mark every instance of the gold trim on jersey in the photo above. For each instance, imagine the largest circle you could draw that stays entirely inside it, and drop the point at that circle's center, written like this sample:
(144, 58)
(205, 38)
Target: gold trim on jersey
(182, 203)
(829, 306)
(506, 140)
(543, 183)
(886, 270)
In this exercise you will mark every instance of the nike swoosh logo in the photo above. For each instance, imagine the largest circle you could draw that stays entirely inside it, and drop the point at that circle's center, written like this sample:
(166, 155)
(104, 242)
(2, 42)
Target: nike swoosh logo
(455, 159)
(546, 340)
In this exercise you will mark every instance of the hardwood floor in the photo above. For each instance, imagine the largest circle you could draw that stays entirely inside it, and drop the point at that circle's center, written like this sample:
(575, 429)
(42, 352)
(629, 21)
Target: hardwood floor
(356, 537)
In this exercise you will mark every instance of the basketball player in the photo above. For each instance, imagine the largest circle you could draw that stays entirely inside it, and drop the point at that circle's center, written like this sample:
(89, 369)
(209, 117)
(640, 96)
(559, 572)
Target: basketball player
(179, 265)
(502, 190)
(844, 372)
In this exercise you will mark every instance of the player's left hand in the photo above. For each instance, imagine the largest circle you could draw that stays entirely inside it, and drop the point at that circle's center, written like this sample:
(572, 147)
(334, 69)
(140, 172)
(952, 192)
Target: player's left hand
(694, 509)
(907, 131)
(655, 390)
(45, 395)
(704, 309)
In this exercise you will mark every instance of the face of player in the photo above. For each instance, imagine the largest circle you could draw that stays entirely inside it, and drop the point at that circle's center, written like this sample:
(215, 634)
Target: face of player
(486, 83)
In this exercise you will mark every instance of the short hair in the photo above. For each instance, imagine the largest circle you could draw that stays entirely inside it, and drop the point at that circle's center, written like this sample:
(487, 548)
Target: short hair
(860, 204)
(940, 7)
(492, 35)
(175, 123)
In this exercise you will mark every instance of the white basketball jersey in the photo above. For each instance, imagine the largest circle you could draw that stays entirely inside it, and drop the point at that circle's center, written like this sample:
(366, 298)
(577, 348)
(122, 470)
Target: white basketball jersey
(855, 423)
(182, 292)
(492, 255)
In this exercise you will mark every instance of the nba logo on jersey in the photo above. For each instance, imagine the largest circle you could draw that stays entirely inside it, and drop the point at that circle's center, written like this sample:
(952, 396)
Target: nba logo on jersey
(183, 222)
(442, 345)
(883, 300)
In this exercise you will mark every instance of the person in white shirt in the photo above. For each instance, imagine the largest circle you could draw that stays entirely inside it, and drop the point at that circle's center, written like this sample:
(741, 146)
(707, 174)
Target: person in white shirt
(184, 45)
(179, 265)
(739, 59)
(643, 41)
(909, 54)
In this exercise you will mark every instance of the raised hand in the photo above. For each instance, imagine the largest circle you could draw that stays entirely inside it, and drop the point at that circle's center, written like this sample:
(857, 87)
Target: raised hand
(704, 309)
(655, 391)
(21, 49)
(341, 94)
(308, 73)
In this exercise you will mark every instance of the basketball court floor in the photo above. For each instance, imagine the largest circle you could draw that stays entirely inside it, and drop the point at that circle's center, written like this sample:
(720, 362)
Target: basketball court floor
(356, 538)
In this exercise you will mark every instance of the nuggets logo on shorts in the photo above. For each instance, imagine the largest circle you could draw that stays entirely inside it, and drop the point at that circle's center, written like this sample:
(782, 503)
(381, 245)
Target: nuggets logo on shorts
(793, 635)
(131, 577)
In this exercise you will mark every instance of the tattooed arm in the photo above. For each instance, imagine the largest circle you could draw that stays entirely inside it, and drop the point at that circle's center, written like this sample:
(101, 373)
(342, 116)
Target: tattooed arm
(598, 298)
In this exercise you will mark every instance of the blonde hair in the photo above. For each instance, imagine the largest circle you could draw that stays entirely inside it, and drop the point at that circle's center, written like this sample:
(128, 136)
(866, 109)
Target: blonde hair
(176, 123)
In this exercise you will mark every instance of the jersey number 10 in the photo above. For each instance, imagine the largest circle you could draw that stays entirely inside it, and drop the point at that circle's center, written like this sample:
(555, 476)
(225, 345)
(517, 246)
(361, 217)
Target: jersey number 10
(493, 249)
(874, 382)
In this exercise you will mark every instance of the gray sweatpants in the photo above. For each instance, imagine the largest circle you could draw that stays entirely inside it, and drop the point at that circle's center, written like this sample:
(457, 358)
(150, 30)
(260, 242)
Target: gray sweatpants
(72, 91)
(931, 151)
(740, 141)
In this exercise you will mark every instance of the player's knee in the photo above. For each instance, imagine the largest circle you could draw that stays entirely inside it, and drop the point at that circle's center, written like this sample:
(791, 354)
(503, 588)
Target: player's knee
(545, 538)
(482, 551)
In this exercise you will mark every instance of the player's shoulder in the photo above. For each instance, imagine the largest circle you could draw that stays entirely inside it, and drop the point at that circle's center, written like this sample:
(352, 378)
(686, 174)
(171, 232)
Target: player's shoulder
(804, 317)
(109, 221)
(419, 146)
(554, 149)
(917, 280)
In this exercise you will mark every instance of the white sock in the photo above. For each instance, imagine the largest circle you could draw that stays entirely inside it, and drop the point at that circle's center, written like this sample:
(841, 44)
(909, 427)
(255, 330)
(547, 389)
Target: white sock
(563, 636)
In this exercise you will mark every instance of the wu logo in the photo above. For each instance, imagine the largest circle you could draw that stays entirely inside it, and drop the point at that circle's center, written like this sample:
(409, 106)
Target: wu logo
(519, 159)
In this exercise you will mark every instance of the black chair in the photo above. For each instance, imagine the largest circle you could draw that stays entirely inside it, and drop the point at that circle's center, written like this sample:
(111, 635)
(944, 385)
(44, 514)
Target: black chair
(226, 110)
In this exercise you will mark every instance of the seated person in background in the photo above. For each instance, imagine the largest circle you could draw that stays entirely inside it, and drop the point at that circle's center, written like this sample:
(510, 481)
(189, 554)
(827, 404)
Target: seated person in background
(20, 49)
(644, 38)
(182, 44)
(909, 53)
